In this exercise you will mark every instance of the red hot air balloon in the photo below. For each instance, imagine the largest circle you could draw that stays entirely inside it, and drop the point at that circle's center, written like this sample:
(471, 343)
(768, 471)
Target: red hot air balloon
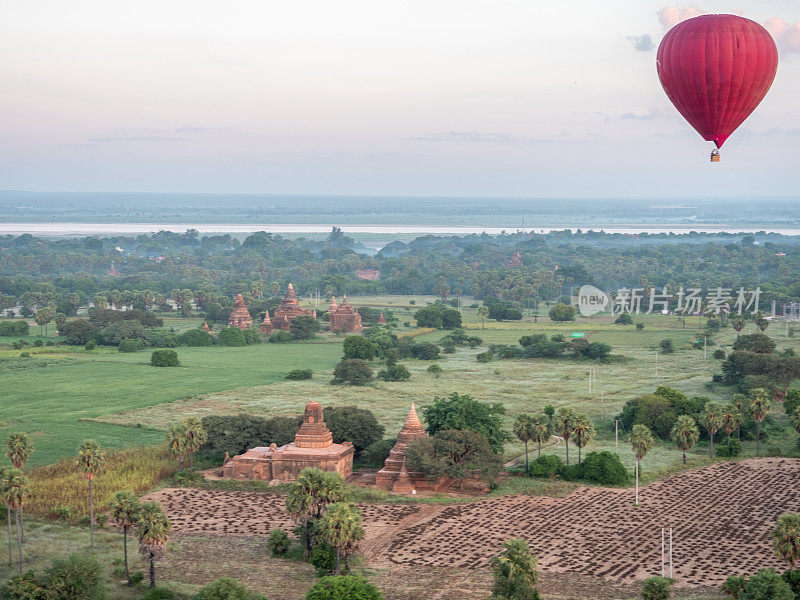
(716, 69)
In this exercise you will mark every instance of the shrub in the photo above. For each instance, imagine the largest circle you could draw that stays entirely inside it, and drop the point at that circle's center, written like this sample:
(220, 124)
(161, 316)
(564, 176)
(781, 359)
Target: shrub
(624, 319)
(299, 374)
(435, 369)
(438, 316)
(159, 593)
(343, 587)
(353, 371)
(422, 351)
(164, 358)
(11, 328)
(501, 310)
(666, 346)
(225, 589)
(90, 345)
(77, 577)
(656, 588)
(514, 572)
(395, 373)
(449, 349)
(721, 449)
(596, 350)
(323, 558)
(719, 354)
(562, 312)
(161, 338)
(603, 467)
(130, 346)
(196, 338)
(485, 357)
(304, 327)
(23, 587)
(251, 336)
(279, 337)
(639, 326)
(546, 465)
(734, 585)
(755, 342)
(766, 585)
(278, 542)
(231, 336)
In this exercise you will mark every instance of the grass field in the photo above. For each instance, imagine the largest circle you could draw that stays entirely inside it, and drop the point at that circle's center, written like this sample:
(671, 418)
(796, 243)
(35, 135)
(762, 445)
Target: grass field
(62, 397)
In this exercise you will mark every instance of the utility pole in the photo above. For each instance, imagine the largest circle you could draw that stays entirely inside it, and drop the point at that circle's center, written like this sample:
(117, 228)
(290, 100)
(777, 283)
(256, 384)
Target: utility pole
(602, 407)
(705, 352)
(670, 552)
(663, 551)
(616, 436)
(637, 483)
(656, 353)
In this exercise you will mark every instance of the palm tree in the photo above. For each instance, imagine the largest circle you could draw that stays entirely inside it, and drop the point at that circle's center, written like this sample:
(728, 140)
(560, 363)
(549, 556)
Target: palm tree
(90, 458)
(152, 529)
(18, 448)
(731, 419)
(483, 311)
(523, 429)
(685, 433)
(565, 423)
(13, 488)
(761, 321)
(641, 440)
(515, 572)
(125, 511)
(786, 539)
(176, 442)
(196, 436)
(582, 433)
(308, 497)
(712, 421)
(742, 404)
(759, 407)
(341, 528)
(738, 325)
(541, 431)
(6, 475)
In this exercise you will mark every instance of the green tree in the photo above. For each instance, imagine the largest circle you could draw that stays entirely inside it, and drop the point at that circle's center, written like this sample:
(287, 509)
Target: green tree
(125, 509)
(541, 432)
(731, 419)
(176, 442)
(582, 433)
(564, 424)
(309, 496)
(353, 424)
(562, 312)
(226, 588)
(90, 460)
(152, 529)
(357, 346)
(786, 539)
(523, 428)
(231, 336)
(343, 587)
(641, 440)
(656, 588)
(483, 311)
(514, 571)
(712, 421)
(461, 411)
(766, 585)
(761, 321)
(341, 528)
(303, 327)
(759, 408)
(164, 358)
(353, 371)
(685, 434)
(738, 325)
(195, 436)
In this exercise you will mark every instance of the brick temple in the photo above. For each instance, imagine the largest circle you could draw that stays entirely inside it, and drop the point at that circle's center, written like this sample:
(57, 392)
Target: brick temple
(514, 261)
(344, 317)
(394, 475)
(289, 310)
(266, 325)
(312, 447)
(240, 317)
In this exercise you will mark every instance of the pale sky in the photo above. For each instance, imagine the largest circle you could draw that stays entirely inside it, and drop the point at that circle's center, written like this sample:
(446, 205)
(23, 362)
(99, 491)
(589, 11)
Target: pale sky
(434, 97)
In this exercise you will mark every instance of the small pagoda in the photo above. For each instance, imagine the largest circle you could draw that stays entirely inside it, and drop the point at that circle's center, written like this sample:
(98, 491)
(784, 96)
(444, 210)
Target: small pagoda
(312, 447)
(344, 318)
(394, 475)
(382, 319)
(514, 261)
(206, 328)
(240, 317)
(266, 325)
(289, 310)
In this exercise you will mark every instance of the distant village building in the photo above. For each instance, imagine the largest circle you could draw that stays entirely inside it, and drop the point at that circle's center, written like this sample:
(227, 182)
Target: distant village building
(344, 318)
(395, 476)
(514, 261)
(312, 447)
(368, 274)
(240, 317)
(288, 310)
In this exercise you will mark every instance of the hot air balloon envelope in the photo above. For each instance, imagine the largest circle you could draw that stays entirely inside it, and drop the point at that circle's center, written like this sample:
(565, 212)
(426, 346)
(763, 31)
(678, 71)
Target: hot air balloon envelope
(715, 70)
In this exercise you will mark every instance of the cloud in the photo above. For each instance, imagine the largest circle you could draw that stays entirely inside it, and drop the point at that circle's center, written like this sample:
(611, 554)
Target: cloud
(653, 113)
(787, 35)
(469, 136)
(190, 129)
(642, 43)
(136, 138)
(669, 16)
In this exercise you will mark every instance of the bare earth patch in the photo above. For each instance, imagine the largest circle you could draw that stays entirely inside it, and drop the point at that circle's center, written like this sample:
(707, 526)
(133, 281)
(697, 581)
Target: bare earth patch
(721, 516)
